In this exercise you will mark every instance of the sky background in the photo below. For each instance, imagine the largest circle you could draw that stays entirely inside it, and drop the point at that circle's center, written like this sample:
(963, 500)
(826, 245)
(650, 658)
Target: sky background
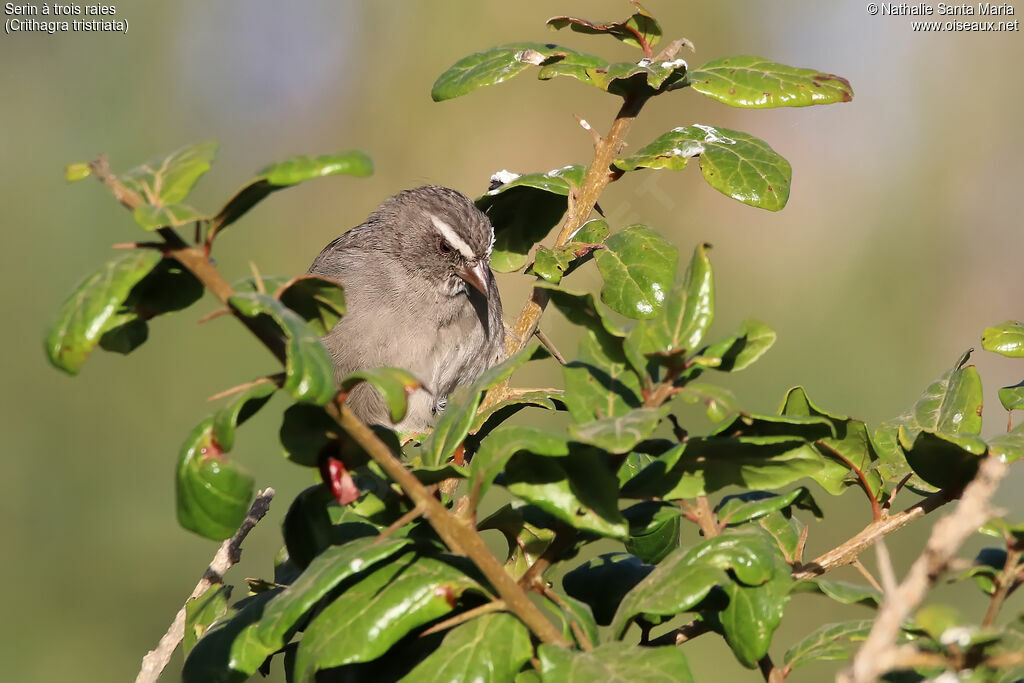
(901, 242)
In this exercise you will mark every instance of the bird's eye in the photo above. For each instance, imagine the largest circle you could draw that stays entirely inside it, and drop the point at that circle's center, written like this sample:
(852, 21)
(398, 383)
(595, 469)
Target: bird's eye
(444, 246)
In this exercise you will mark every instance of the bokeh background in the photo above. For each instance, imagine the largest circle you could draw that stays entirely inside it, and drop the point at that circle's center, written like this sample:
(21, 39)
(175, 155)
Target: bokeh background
(901, 242)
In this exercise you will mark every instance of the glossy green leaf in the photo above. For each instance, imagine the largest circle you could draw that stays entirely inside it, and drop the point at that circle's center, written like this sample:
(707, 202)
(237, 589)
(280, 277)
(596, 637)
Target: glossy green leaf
(213, 493)
(738, 509)
(241, 408)
(829, 642)
(287, 173)
(943, 460)
(212, 658)
(489, 648)
(719, 403)
(577, 488)
(736, 164)
(285, 612)
(638, 266)
(498, 64)
(755, 82)
(618, 434)
(840, 591)
(705, 465)
(318, 300)
(603, 581)
(453, 426)
(573, 612)
(684, 578)
(554, 264)
(528, 531)
(502, 444)
(152, 217)
(1012, 398)
(594, 231)
(524, 210)
(653, 530)
(599, 385)
(168, 180)
(305, 431)
(787, 533)
(582, 310)
(201, 612)
(640, 26)
(309, 371)
(96, 307)
(639, 79)
(681, 324)
(307, 525)
(1006, 339)
(393, 384)
(737, 352)
(488, 419)
(382, 608)
(614, 662)
(754, 613)
(809, 427)
(1008, 446)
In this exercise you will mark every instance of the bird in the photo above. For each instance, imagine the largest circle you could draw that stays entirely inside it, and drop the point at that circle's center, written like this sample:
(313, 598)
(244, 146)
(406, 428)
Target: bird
(420, 296)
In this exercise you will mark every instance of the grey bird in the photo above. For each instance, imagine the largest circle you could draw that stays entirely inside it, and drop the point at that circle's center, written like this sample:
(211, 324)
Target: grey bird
(420, 296)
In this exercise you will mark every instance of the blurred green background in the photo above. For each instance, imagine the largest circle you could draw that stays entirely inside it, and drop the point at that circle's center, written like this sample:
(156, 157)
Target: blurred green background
(901, 242)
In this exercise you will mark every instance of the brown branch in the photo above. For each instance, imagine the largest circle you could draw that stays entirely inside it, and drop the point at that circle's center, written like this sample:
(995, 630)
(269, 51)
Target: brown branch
(1003, 585)
(463, 617)
(877, 654)
(681, 635)
(876, 509)
(549, 345)
(229, 554)
(847, 552)
(458, 534)
(577, 630)
(706, 518)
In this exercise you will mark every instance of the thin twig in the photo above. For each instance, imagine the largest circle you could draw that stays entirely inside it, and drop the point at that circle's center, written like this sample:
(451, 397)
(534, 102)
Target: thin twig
(1004, 583)
(271, 379)
(682, 634)
(549, 345)
(577, 630)
(229, 553)
(859, 566)
(463, 617)
(877, 654)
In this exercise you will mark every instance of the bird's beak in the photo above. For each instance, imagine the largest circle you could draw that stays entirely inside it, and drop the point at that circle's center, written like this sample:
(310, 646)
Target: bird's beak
(475, 275)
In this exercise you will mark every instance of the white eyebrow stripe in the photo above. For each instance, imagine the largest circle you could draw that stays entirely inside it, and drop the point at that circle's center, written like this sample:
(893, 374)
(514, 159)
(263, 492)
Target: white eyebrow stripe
(452, 237)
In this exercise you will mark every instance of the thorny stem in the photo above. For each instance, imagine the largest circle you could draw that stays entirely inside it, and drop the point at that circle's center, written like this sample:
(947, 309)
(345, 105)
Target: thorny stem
(458, 534)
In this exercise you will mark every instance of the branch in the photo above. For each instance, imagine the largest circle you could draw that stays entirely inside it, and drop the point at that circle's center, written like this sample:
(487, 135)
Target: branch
(879, 652)
(849, 551)
(229, 554)
(1003, 586)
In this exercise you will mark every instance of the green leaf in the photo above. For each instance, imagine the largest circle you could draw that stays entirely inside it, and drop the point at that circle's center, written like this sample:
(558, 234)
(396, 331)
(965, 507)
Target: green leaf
(681, 324)
(213, 493)
(719, 402)
(621, 433)
(486, 420)
(96, 307)
(1012, 398)
(582, 310)
(502, 444)
(524, 210)
(638, 266)
(453, 426)
(840, 591)
(734, 163)
(829, 643)
(489, 648)
(201, 612)
(168, 180)
(305, 431)
(527, 530)
(152, 217)
(603, 581)
(577, 488)
(309, 371)
(393, 384)
(787, 533)
(1008, 446)
(755, 82)
(77, 171)
(684, 578)
(383, 607)
(287, 173)
(1006, 339)
(241, 408)
(498, 64)
(614, 662)
(553, 264)
(754, 613)
(282, 616)
(640, 26)
(319, 301)
(307, 525)
(737, 352)
(943, 460)
(639, 79)
(653, 530)
(212, 659)
(740, 508)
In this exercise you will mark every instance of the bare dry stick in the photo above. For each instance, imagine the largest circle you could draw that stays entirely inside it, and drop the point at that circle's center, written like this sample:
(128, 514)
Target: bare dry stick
(228, 555)
(879, 652)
